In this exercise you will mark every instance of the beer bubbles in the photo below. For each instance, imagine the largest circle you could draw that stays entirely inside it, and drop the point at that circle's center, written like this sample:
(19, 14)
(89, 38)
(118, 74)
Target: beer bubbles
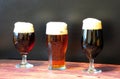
(23, 27)
(92, 23)
(56, 28)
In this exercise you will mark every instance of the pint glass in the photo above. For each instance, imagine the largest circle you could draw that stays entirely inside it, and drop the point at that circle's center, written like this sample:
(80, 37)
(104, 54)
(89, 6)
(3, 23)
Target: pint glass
(57, 40)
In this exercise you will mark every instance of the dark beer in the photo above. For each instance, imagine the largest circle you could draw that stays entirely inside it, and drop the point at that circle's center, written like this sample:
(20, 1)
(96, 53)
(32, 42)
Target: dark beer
(24, 42)
(92, 42)
(57, 40)
(23, 39)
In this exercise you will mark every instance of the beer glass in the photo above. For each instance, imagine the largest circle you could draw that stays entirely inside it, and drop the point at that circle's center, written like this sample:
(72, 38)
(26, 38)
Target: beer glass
(92, 41)
(57, 40)
(23, 39)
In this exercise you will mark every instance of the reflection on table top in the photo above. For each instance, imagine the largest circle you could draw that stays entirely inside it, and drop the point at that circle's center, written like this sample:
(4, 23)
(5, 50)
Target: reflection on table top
(40, 71)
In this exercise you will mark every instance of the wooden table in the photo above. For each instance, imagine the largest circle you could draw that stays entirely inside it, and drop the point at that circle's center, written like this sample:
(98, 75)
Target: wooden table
(40, 71)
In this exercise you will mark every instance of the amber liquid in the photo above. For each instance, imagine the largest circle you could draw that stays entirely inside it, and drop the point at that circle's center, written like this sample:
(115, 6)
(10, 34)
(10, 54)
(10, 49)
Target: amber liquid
(57, 45)
(24, 42)
(92, 42)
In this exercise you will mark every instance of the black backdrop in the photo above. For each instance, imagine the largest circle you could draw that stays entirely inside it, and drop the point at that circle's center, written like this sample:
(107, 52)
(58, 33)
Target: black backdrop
(39, 12)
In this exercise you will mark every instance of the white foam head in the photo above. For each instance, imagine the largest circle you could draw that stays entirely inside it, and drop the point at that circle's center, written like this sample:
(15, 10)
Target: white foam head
(56, 28)
(23, 27)
(92, 24)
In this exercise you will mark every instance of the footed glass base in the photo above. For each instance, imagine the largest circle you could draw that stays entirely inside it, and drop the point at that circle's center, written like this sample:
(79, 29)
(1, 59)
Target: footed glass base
(27, 65)
(92, 71)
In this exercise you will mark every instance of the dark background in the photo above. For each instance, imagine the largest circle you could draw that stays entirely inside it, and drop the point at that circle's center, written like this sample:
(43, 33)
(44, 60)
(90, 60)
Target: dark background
(39, 12)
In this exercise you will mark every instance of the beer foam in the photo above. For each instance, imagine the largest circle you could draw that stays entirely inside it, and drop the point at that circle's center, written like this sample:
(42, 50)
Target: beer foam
(56, 28)
(23, 27)
(92, 24)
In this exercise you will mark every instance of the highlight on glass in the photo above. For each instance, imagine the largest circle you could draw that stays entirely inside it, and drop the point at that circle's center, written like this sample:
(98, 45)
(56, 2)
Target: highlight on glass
(92, 41)
(24, 39)
(57, 40)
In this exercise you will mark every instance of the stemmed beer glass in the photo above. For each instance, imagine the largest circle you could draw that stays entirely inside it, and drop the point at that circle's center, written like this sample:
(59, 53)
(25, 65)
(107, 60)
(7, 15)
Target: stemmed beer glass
(23, 39)
(92, 41)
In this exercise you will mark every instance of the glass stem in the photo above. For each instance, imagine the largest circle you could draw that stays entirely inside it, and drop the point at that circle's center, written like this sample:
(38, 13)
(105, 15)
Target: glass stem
(91, 65)
(24, 59)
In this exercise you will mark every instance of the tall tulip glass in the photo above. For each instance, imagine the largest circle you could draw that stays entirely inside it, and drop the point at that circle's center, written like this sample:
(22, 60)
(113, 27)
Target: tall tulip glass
(92, 41)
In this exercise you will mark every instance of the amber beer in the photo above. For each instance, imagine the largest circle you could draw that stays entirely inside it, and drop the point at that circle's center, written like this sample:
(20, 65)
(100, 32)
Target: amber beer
(24, 39)
(57, 40)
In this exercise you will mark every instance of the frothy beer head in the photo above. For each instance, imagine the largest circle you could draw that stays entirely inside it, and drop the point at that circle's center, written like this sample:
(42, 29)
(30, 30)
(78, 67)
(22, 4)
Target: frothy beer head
(56, 28)
(23, 27)
(92, 24)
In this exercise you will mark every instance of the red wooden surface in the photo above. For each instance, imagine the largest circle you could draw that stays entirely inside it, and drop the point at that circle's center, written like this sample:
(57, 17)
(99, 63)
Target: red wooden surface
(40, 71)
